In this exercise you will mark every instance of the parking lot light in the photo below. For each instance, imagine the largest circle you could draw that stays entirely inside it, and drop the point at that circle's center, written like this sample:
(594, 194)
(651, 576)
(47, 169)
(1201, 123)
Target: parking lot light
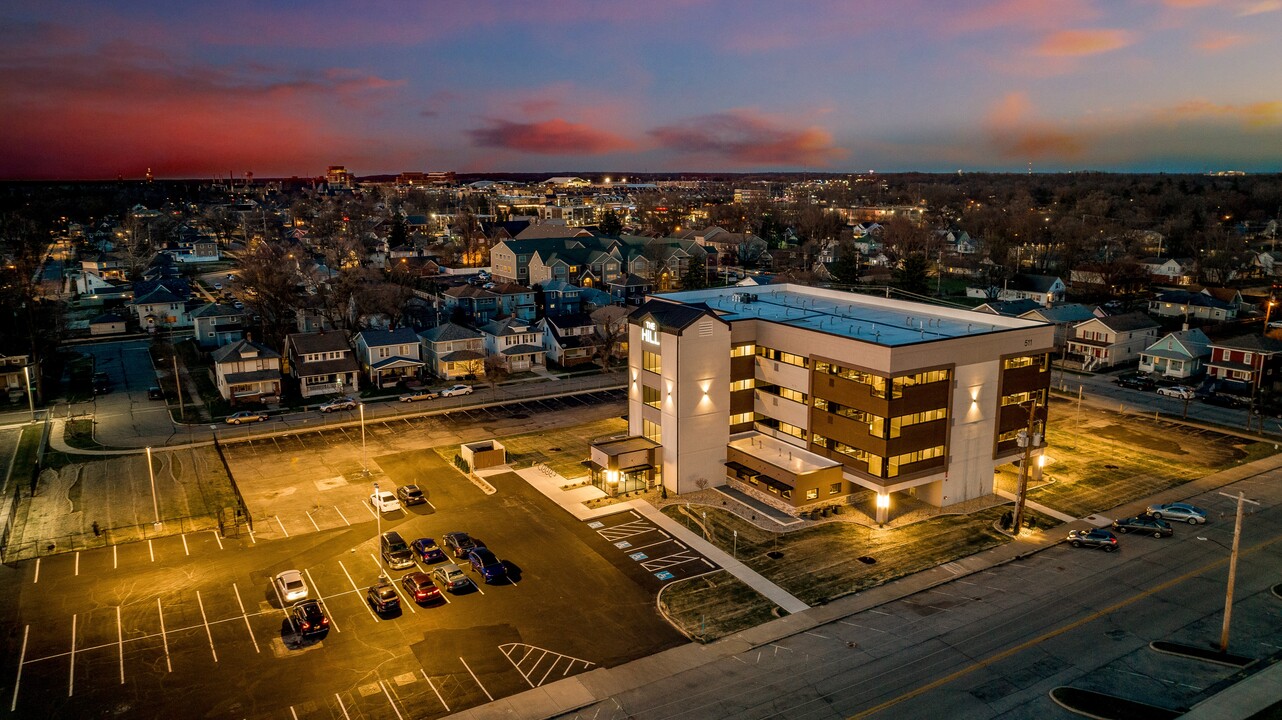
(155, 505)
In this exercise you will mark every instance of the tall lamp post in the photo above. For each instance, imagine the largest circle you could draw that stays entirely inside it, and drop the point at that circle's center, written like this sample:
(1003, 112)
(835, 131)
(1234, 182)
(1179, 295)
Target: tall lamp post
(31, 397)
(378, 516)
(155, 504)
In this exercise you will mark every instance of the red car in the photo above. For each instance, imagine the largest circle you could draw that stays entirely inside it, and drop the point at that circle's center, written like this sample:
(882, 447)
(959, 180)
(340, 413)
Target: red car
(419, 586)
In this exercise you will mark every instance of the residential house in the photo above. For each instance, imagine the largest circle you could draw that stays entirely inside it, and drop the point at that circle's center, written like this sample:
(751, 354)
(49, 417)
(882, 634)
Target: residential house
(513, 344)
(14, 375)
(245, 371)
(1063, 317)
(560, 298)
(1170, 271)
(161, 308)
(1180, 355)
(629, 289)
(1110, 341)
(516, 300)
(322, 363)
(389, 356)
(1008, 308)
(1045, 289)
(107, 324)
(1229, 295)
(453, 352)
(470, 302)
(569, 340)
(217, 325)
(105, 266)
(592, 299)
(1246, 364)
(1191, 305)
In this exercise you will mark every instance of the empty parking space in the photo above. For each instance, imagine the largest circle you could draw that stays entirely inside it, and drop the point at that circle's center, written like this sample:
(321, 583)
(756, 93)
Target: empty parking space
(660, 555)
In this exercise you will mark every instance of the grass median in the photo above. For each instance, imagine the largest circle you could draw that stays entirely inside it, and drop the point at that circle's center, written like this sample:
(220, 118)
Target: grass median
(712, 606)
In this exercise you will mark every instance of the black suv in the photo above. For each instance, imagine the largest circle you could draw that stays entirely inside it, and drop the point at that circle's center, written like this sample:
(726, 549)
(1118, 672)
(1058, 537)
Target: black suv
(309, 618)
(1136, 382)
(459, 544)
(396, 552)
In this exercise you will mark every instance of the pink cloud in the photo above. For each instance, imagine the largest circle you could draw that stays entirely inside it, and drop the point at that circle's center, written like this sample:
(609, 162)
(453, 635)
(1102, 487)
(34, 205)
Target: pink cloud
(1016, 135)
(1024, 14)
(1068, 43)
(743, 137)
(548, 137)
(1257, 114)
(1219, 42)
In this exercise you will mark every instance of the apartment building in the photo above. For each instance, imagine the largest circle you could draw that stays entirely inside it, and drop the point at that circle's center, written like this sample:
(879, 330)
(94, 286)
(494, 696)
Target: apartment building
(803, 396)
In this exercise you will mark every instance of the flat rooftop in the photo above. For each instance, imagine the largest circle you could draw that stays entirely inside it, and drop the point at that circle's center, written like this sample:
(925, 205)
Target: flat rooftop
(882, 321)
(779, 453)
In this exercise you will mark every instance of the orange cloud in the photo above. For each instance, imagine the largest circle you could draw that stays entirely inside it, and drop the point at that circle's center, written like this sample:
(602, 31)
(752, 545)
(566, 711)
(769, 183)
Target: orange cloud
(744, 137)
(1028, 14)
(1259, 114)
(1016, 136)
(1219, 42)
(1189, 3)
(1260, 7)
(1066, 43)
(548, 137)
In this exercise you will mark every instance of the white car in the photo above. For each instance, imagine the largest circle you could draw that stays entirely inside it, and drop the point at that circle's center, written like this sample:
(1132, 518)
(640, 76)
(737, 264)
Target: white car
(456, 390)
(218, 286)
(291, 586)
(342, 403)
(1179, 392)
(384, 501)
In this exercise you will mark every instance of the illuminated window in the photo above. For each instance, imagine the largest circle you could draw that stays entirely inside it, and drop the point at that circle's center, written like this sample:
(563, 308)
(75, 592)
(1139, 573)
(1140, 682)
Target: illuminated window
(650, 361)
(912, 457)
(1039, 397)
(651, 431)
(812, 494)
(926, 416)
(1040, 360)
(783, 357)
(650, 396)
(877, 383)
(785, 393)
(741, 418)
(743, 350)
(834, 489)
(742, 384)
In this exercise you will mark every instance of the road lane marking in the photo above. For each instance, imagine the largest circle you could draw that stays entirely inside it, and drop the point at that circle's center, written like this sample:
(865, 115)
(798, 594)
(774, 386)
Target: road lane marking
(340, 514)
(71, 677)
(358, 590)
(120, 640)
(342, 707)
(164, 639)
(23, 655)
(185, 550)
(37, 579)
(151, 550)
(333, 623)
(478, 682)
(282, 525)
(815, 634)
(243, 614)
(309, 517)
(219, 539)
(399, 716)
(205, 619)
(425, 677)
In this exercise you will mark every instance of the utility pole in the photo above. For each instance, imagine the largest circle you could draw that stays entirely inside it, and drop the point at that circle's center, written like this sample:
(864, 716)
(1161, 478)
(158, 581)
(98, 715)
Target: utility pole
(1228, 595)
(1027, 439)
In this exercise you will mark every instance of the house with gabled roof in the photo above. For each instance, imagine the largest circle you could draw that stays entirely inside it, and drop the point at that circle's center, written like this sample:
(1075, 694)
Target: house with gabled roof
(471, 302)
(1173, 271)
(453, 352)
(1246, 364)
(217, 325)
(322, 362)
(1191, 305)
(560, 298)
(569, 340)
(388, 357)
(1009, 308)
(1105, 342)
(514, 344)
(245, 371)
(161, 308)
(1063, 317)
(1044, 289)
(1179, 355)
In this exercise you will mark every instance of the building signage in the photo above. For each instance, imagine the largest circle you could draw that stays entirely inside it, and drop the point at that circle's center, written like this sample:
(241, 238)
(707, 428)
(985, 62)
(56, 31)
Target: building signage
(650, 332)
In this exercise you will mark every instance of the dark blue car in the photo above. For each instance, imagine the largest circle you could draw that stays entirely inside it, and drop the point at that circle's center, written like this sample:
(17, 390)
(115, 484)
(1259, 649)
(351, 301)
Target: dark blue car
(487, 564)
(427, 550)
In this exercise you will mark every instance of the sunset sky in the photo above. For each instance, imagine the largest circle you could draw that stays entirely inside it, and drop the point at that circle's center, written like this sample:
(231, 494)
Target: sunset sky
(101, 89)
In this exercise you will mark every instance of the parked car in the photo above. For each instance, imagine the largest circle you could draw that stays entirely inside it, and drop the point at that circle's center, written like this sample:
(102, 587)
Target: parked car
(487, 564)
(1223, 400)
(1094, 538)
(245, 416)
(450, 577)
(218, 286)
(101, 383)
(417, 395)
(309, 618)
(1144, 524)
(342, 403)
(384, 501)
(1136, 382)
(395, 552)
(1191, 514)
(459, 544)
(290, 585)
(453, 390)
(411, 495)
(155, 393)
(428, 551)
(1178, 392)
(382, 597)
(418, 585)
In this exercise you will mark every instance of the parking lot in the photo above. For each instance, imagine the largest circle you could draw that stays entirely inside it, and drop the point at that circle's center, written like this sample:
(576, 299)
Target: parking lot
(121, 629)
(652, 549)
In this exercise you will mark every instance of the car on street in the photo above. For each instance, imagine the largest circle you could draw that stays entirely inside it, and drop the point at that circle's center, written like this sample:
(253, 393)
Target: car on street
(419, 586)
(428, 551)
(1179, 392)
(155, 393)
(1093, 538)
(384, 501)
(459, 544)
(487, 564)
(411, 495)
(1136, 382)
(218, 286)
(309, 618)
(453, 390)
(1178, 511)
(238, 305)
(101, 383)
(450, 577)
(382, 597)
(1275, 324)
(416, 395)
(245, 416)
(1144, 524)
(395, 552)
(342, 403)
(290, 585)
(1224, 400)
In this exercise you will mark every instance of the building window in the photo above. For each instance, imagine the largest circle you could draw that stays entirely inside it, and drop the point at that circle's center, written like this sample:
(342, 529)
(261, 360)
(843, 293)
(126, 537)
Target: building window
(921, 378)
(812, 494)
(877, 383)
(903, 421)
(741, 418)
(912, 457)
(834, 489)
(1038, 397)
(876, 423)
(651, 396)
(742, 384)
(651, 431)
(743, 350)
(650, 361)
(1025, 361)
(785, 393)
(783, 357)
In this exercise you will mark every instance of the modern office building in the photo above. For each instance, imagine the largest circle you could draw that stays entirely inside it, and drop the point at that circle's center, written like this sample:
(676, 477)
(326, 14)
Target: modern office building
(800, 395)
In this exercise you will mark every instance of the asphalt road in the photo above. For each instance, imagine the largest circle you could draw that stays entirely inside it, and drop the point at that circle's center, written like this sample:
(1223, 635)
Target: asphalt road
(1102, 388)
(124, 415)
(993, 644)
(189, 625)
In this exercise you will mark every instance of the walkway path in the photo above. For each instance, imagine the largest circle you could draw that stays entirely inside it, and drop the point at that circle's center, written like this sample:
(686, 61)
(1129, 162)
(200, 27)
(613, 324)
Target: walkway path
(1062, 517)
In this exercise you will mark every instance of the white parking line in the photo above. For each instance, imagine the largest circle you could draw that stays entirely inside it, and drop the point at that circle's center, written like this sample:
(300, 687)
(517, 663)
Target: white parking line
(405, 601)
(71, 677)
(205, 619)
(292, 713)
(164, 639)
(342, 707)
(185, 550)
(425, 677)
(429, 504)
(282, 525)
(242, 614)
(218, 538)
(309, 517)
(390, 701)
(113, 557)
(340, 514)
(478, 682)
(476, 585)
(365, 504)
(151, 550)
(358, 590)
(37, 579)
(120, 640)
(22, 656)
(77, 573)
(332, 622)
(251, 536)
(642, 547)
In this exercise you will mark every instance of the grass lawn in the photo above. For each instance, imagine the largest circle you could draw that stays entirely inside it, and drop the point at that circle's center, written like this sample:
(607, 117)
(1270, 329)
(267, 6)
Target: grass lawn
(24, 462)
(1101, 459)
(562, 449)
(821, 563)
(79, 434)
(714, 605)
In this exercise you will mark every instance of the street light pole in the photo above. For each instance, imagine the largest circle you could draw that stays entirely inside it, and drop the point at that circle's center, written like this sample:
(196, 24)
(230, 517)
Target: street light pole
(155, 504)
(31, 397)
(378, 516)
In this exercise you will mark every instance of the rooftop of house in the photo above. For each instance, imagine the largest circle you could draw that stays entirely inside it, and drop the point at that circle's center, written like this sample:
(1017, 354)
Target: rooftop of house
(379, 338)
